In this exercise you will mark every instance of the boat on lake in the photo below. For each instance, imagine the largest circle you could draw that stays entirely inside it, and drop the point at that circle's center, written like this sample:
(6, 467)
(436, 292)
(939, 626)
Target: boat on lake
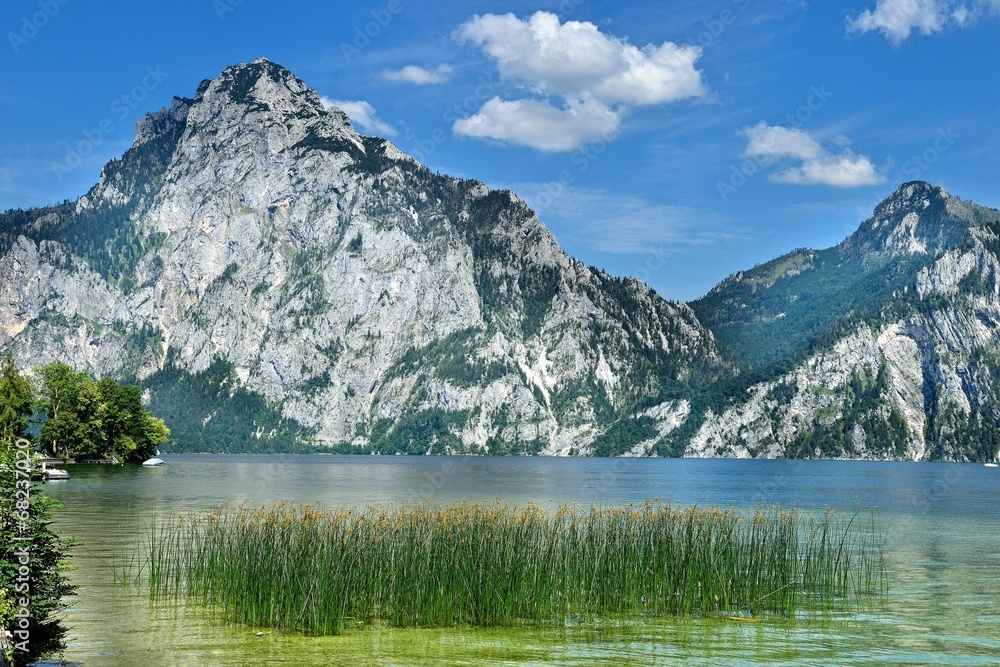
(150, 463)
(53, 473)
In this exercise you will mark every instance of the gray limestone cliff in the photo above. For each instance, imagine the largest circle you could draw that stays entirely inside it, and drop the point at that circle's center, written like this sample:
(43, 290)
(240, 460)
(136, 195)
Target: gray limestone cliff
(889, 343)
(272, 277)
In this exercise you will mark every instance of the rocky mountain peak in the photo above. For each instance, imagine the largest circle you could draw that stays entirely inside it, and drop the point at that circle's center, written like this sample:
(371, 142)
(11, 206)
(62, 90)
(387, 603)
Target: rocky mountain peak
(263, 100)
(249, 82)
(912, 197)
(918, 218)
(263, 85)
(274, 278)
(163, 122)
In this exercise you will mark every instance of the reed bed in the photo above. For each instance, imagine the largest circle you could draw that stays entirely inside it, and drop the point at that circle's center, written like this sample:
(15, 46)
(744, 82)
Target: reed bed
(313, 570)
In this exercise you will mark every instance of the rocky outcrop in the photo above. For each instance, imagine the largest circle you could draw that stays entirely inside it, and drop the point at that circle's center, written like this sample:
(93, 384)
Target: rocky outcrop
(253, 232)
(914, 378)
(165, 122)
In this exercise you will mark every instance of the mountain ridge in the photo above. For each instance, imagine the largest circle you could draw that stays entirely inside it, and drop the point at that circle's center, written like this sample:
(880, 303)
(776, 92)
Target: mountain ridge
(275, 280)
(333, 290)
(862, 272)
(883, 346)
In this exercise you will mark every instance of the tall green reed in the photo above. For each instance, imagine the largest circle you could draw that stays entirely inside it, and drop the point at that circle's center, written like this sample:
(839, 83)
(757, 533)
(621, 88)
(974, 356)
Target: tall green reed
(308, 569)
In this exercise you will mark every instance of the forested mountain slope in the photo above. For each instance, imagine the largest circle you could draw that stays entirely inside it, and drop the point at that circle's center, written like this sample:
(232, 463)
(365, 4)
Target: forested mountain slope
(884, 346)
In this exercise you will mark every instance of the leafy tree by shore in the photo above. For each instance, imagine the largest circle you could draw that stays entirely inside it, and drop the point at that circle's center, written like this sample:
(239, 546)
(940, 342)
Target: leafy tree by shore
(16, 395)
(89, 419)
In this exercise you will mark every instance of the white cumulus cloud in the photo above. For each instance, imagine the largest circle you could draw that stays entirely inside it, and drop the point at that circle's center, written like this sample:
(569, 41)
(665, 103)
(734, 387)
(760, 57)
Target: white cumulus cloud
(362, 114)
(539, 124)
(575, 58)
(898, 19)
(775, 141)
(818, 166)
(420, 76)
(583, 80)
(844, 170)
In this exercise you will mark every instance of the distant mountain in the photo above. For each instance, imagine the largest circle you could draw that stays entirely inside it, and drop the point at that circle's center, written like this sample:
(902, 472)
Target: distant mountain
(272, 278)
(885, 346)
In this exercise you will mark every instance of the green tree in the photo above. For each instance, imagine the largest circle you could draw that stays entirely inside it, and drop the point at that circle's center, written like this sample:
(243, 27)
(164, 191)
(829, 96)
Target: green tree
(32, 597)
(29, 597)
(113, 412)
(71, 402)
(16, 394)
(128, 431)
(92, 419)
(153, 433)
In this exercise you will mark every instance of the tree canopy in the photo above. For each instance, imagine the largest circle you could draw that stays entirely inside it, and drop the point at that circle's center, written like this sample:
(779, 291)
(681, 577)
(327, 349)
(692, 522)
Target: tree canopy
(90, 419)
(16, 394)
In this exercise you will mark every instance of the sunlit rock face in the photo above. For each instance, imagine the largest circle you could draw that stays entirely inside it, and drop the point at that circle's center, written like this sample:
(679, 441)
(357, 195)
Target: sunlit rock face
(313, 284)
(908, 362)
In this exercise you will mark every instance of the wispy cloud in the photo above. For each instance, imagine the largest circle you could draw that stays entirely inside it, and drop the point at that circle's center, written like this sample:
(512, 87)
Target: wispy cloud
(776, 145)
(362, 114)
(577, 74)
(898, 19)
(11, 187)
(420, 76)
(625, 224)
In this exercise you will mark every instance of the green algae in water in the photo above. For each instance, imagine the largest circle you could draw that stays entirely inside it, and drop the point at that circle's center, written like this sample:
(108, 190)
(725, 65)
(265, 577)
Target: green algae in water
(317, 571)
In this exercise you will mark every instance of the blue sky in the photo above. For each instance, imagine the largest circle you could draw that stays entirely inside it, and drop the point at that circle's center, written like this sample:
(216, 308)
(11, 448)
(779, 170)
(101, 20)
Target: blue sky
(677, 142)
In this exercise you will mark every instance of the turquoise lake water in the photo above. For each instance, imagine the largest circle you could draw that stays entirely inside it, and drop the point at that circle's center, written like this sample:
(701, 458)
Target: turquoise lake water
(941, 522)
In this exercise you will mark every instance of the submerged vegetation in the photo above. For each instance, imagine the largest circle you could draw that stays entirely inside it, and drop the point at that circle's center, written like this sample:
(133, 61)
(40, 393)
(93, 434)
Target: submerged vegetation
(303, 568)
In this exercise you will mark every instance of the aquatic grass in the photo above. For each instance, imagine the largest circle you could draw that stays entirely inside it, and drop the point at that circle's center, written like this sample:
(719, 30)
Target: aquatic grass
(126, 567)
(315, 570)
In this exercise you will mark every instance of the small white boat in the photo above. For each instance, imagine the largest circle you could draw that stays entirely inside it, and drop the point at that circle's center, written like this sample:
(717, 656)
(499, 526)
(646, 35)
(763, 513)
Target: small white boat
(149, 463)
(53, 473)
(992, 465)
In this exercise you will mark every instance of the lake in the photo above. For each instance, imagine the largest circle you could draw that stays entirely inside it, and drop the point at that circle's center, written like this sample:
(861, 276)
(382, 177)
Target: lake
(940, 522)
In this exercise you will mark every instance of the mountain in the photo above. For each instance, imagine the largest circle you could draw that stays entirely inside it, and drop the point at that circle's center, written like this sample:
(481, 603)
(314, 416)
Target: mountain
(885, 346)
(272, 278)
